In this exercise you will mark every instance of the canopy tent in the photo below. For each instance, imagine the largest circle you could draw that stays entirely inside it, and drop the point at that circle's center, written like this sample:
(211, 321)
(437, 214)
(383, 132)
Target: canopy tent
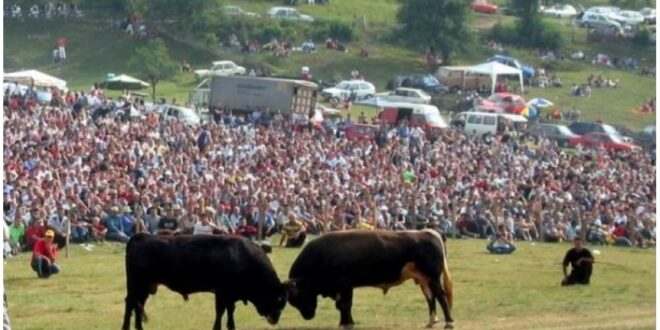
(494, 69)
(122, 82)
(35, 78)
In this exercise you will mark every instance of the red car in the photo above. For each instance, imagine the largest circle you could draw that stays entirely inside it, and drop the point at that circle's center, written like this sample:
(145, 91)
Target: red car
(484, 7)
(601, 140)
(503, 103)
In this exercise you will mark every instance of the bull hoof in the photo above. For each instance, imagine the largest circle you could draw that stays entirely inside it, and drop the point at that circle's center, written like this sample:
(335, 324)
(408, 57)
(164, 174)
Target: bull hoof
(449, 326)
(347, 326)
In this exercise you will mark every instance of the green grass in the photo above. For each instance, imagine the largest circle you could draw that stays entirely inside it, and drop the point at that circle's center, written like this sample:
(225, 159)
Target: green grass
(518, 291)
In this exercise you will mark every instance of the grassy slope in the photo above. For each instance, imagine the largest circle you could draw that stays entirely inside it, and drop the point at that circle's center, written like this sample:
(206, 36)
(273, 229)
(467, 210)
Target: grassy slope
(95, 52)
(495, 292)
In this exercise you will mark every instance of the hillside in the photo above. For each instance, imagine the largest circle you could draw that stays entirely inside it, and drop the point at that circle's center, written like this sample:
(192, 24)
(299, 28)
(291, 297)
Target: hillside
(95, 50)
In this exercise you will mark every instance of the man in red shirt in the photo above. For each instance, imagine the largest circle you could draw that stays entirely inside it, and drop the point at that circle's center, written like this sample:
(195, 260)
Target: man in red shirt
(43, 256)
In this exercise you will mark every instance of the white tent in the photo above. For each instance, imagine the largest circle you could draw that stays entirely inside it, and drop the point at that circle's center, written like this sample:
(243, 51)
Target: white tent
(494, 69)
(35, 78)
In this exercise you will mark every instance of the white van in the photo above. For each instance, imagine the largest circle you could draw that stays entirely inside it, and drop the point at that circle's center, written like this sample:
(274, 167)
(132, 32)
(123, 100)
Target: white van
(175, 112)
(486, 123)
(424, 115)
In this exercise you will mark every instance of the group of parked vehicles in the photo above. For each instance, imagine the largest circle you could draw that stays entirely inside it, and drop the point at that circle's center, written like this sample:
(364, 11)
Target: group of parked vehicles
(279, 12)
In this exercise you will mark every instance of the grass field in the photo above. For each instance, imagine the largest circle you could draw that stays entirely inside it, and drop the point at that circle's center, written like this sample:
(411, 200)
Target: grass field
(518, 291)
(94, 51)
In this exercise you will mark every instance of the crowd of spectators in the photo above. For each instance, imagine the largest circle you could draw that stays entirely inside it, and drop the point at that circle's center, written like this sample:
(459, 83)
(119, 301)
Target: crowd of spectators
(110, 176)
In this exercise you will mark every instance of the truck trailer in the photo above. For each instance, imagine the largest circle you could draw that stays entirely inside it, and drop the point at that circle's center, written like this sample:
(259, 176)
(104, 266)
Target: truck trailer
(248, 94)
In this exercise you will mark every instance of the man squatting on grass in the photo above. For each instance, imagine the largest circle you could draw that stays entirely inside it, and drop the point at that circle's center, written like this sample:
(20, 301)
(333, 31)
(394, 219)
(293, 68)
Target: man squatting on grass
(43, 256)
(581, 262)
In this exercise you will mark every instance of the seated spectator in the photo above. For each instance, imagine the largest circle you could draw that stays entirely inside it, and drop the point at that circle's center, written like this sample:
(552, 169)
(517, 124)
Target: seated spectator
(620, 235)
(151, 220)
(467, 227)
(246, 230)
(596, 233)
(502, 242)
(44, 254)
(550, 232)
(168, 224)
(204, 225)
(98, 230)
(115, 226)
(35, 231)
(293, 233)
(79, 230)
(17, 236)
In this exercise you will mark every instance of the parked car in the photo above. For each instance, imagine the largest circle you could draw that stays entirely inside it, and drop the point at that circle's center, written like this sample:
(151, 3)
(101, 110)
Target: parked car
(603, 10)
(485, 123)
(528, 71)
(425, 82)
(602, 140)
(238, 11)
(558, 133)
(596, 20)
(561, 11)
(628, 17)
(222, 68)
(582, 128)
(173, 112)
(649, 15)
(481, 6)
(503, 103)
(289, 14)
(407, 95)
(357, 89)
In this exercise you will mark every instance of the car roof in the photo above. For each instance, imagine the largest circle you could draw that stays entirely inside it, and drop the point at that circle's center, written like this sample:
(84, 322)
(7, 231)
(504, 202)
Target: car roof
(222, 62)
(282, 8)
(409, 89)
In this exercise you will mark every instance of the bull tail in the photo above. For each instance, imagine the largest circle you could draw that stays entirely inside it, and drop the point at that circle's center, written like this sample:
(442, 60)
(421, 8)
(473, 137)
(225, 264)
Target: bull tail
(447, 283)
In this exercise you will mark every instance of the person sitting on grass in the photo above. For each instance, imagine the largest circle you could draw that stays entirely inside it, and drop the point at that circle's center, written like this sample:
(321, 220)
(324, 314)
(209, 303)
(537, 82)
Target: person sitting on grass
(581, 262)
(293, 233)
(502, 243)
(43, 256)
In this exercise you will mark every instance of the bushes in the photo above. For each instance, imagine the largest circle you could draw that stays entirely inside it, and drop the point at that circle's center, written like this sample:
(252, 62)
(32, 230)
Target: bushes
(541, 35)
(642, 38)
(265, 30)
(323, 29)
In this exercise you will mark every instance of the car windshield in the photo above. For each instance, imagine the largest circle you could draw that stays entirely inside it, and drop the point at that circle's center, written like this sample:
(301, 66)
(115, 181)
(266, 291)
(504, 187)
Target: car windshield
(344, 85)
(430, 81)
(564, 130)
(611, 130)
(615, 138)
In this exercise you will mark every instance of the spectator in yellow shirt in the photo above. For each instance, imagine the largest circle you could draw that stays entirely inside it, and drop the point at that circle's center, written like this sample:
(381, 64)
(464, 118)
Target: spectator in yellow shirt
(293, 233)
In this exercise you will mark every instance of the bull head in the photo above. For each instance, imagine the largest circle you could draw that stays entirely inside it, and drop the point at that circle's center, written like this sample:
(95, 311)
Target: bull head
(301, 298)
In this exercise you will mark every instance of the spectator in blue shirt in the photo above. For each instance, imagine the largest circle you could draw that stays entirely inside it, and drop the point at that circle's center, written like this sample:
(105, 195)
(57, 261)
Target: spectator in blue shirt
(115, 226)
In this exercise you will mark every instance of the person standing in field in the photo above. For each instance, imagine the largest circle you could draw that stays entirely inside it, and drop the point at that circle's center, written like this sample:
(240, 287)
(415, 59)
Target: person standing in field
(581, 262)
(43, 256)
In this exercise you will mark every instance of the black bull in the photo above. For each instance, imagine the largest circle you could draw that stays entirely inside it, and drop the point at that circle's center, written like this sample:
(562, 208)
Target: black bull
(336, 263)
(233, 268)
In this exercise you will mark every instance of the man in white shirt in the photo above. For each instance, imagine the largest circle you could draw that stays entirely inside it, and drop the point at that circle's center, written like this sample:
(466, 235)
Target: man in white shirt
(204, 226)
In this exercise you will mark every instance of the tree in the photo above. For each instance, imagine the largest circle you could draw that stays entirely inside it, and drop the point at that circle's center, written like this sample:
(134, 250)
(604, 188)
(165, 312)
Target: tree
(153, 63)
(532, 30)
(530, 25)
(441, 24)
